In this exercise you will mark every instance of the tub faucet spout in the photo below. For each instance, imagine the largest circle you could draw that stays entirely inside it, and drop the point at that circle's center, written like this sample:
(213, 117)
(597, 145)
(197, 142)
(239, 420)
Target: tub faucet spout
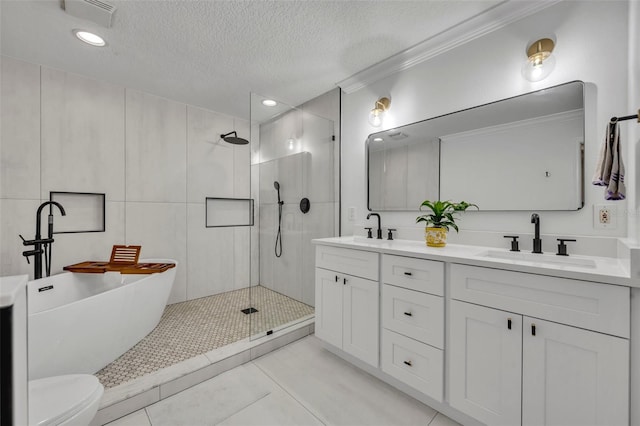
(38, 242)
(537, 242)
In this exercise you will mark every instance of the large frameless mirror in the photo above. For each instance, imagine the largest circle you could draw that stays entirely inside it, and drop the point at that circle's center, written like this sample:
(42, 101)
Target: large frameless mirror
(521, 153)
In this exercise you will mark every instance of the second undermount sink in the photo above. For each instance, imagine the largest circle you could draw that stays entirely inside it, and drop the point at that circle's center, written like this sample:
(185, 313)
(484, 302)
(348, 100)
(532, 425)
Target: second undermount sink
(552, 259)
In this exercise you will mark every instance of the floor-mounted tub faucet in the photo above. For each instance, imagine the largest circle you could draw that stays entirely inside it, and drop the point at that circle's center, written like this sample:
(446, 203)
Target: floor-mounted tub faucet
(537, 242)
(379, 227)
(38, 242)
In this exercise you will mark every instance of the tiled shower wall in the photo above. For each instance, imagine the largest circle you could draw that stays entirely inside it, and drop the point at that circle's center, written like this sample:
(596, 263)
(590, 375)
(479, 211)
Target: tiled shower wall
(155, 159)
(305, 168)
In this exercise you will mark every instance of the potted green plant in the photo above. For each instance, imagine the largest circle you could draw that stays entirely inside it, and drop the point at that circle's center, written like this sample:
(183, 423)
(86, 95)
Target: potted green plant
(441, 217)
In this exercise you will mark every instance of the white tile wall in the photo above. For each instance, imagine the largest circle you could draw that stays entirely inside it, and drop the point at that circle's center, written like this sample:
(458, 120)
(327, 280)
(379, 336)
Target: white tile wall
(156, 134)
(20, 130)
(136, 148)
(211, 256)
(210, 160)
(17, 217)
(82, 135)
(161, 230)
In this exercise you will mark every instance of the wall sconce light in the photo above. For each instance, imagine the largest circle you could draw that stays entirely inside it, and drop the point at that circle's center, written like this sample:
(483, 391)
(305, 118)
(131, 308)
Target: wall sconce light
(377, 113)
(540, 62)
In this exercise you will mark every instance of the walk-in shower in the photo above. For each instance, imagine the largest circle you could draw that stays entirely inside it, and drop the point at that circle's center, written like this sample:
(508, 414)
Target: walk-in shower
(294, 151)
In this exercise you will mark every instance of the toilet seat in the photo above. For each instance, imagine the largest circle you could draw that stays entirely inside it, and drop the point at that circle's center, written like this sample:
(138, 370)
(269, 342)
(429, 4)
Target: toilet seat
(54, 400)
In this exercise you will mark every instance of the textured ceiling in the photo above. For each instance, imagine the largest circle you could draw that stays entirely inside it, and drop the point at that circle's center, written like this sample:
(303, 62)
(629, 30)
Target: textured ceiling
(214, 53)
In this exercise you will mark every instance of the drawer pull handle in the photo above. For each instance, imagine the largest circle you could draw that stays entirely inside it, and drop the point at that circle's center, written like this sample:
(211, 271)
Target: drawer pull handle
(509, 323)
(409, 314)
(408, 274)
(344, 281)
(408, 363)
(336, 278)
(533, 329)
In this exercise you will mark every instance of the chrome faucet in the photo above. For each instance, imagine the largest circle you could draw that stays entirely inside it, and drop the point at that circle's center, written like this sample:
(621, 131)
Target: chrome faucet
(379, 228)
(38, 242)
(537, 242)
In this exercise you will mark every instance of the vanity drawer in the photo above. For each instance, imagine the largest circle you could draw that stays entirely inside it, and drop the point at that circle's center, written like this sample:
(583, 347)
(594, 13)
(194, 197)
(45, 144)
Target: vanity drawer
(415, 274)
(413, 314)
(348, 261)
(416, 364)
(599, 307)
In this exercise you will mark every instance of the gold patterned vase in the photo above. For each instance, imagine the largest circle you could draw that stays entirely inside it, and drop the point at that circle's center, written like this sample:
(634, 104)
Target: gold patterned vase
(435, 237)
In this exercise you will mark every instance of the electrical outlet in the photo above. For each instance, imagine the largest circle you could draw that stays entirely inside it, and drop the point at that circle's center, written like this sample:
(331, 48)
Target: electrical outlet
(604, 216)
(351, 214)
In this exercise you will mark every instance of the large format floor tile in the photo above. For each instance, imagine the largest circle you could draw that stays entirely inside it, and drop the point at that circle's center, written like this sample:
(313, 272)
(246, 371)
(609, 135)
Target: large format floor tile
(299, 384)
(337, 392)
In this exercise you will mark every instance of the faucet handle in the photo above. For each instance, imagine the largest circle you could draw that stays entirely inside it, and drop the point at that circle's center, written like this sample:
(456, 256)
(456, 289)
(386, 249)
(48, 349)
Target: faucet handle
(369, 234)
(562, 247)
(514, 242)
(390, 233)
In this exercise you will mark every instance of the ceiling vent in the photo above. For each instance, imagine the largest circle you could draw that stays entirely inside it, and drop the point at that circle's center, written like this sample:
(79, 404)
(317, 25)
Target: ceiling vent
(96, 11)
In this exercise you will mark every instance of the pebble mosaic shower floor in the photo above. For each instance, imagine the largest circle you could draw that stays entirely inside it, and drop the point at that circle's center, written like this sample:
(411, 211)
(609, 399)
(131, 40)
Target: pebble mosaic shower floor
(197, 326)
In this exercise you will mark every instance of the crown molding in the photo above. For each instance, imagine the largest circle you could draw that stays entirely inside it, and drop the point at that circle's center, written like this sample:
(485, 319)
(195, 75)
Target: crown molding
(491, 20)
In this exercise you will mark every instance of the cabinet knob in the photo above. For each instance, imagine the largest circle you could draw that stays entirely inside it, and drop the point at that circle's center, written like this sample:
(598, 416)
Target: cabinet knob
(408, 363)
(409, 314)
(509, 323)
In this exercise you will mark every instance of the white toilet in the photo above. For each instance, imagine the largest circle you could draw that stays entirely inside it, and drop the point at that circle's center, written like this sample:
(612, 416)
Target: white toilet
(68, 400)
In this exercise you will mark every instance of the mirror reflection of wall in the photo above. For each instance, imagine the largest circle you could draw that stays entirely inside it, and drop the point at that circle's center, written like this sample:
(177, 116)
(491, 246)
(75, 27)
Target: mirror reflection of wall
(520, 153)
(405, 171)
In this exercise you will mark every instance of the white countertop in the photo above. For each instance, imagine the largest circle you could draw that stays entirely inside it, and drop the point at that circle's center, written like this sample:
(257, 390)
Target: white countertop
(589, 268)
(10, 288)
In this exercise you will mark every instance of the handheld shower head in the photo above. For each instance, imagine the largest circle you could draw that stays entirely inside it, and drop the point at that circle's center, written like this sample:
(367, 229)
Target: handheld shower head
(276, 185)
(234, 139)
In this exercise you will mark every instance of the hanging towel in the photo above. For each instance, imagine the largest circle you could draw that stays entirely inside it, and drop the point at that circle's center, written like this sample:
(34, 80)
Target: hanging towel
(610, 168)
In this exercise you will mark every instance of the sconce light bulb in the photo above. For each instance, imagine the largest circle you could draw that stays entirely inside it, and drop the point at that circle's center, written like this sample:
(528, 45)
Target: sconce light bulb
(375, 117)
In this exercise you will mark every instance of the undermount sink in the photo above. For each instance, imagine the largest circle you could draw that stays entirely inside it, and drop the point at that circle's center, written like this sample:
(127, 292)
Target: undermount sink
(553, 259)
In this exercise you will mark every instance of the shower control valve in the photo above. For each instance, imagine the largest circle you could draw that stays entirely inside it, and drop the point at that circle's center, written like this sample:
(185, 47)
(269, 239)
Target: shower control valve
(369, 233)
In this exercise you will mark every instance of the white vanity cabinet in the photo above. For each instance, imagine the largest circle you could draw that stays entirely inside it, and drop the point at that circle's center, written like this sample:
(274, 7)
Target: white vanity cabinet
(536, 350)
(413, 322)
(347, 301)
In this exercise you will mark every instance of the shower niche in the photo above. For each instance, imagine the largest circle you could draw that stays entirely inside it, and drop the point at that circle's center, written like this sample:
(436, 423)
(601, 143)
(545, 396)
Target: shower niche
(294, 154)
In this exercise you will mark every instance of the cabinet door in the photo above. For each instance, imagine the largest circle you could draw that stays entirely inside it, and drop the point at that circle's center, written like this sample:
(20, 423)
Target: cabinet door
(361, 319)
(485, 363)
(573, 376)
(328, 311)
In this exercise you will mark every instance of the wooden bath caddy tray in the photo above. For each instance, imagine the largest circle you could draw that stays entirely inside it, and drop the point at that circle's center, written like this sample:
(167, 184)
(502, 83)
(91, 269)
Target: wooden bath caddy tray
(124, 259)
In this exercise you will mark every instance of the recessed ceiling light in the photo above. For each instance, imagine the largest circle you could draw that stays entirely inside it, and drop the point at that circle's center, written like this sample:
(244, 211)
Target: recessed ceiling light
(89, 38)
(269, 102)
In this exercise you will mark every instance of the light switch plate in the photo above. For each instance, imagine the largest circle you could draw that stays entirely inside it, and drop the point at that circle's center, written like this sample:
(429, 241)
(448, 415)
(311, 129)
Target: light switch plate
(604, 216)
(351, 214)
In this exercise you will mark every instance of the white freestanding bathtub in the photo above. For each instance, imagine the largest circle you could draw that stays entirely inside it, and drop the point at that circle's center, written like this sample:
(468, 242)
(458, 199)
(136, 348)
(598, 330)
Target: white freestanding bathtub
(79, 323)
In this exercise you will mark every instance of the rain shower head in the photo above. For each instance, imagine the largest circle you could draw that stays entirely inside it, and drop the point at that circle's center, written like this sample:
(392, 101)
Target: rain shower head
(234, 139)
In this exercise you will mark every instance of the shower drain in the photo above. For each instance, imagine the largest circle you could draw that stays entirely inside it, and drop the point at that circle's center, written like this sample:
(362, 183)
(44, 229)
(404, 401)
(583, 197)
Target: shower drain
(248, 311)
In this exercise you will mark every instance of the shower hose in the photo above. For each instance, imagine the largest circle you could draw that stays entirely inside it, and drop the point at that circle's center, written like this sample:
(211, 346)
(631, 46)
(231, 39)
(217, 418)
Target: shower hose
(278, 247)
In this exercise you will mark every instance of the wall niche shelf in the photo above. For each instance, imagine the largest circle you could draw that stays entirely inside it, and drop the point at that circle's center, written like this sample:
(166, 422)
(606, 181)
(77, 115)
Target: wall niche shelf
(85, 212)
(225, 212)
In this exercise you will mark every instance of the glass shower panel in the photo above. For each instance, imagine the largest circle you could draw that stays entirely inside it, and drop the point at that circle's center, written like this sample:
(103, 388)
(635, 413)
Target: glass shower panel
(294, 189)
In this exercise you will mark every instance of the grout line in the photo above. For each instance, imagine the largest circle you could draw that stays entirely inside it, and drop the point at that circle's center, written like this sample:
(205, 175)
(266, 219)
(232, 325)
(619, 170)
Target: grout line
(302, 404)
(433, 418)
(147, 414)
(245, 407)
